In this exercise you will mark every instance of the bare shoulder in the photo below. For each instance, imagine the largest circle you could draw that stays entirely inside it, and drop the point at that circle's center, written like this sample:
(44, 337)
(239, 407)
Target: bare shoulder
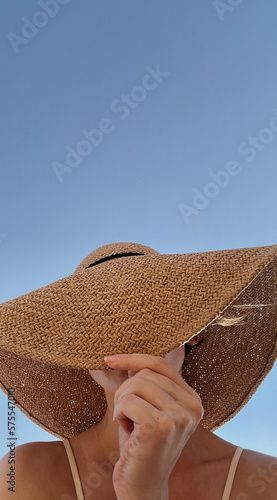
(34, 471)
(256, 477)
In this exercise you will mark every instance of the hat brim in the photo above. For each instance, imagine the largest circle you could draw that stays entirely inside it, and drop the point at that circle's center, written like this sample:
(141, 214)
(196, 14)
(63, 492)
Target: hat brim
(150, 304)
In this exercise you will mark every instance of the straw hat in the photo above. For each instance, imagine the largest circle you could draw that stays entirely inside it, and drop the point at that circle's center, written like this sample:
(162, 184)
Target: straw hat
(128, 298)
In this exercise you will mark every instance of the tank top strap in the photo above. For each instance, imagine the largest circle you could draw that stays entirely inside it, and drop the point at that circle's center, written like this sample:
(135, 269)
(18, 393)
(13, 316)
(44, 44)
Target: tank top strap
(231, 473)
(74, 470)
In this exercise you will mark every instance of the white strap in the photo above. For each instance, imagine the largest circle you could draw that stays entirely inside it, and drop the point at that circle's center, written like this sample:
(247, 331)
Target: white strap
(74, 470)
(231, 473)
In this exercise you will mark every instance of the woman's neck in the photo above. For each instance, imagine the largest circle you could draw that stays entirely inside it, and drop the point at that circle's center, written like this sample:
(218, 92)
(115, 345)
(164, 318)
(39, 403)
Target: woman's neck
(100, 444)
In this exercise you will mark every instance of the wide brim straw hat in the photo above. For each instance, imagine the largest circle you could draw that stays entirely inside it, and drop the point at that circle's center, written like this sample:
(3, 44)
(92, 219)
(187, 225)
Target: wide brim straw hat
(129, 298)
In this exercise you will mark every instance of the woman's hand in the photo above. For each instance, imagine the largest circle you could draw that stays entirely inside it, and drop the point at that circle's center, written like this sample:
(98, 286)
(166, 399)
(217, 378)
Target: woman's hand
(157, 411)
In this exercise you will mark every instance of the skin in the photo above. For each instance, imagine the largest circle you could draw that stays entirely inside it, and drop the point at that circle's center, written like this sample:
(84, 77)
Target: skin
(157, 412)
(111, 381)
(200, 472)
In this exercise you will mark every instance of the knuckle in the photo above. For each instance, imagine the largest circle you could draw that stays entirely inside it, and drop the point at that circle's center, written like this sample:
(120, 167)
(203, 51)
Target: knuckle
(145, 372)
(198, 409)
(148, 425)
(165, 425)
(189, 415)
(182, 419)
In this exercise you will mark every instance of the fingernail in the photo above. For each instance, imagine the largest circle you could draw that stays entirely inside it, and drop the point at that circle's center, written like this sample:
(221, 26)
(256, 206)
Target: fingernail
(111, 358)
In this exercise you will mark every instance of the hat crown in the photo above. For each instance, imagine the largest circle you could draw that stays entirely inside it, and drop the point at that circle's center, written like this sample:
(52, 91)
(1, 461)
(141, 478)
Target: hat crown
(113, 250)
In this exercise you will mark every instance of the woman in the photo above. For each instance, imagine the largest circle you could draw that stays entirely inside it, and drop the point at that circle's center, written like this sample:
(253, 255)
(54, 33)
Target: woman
(156, 448)
(200, 472)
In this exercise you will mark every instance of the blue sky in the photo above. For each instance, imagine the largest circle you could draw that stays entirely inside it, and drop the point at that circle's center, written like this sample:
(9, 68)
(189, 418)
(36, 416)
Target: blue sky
(153, 122)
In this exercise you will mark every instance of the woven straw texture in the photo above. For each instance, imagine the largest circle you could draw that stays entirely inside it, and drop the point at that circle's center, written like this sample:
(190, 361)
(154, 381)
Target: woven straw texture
(145, 302)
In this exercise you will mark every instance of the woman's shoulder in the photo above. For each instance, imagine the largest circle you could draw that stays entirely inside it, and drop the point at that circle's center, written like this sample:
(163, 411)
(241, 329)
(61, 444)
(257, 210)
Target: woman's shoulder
(38, 470)
(42, 471)
(256, 476)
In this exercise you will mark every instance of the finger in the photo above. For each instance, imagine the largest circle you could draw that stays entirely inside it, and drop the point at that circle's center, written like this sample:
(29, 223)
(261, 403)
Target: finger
(137, 410)
(148, 384)
(170, 404)
(138, 362)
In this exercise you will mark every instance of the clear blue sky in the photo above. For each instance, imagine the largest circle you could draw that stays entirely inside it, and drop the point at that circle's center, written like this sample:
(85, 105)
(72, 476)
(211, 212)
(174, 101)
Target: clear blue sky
(153, 122)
